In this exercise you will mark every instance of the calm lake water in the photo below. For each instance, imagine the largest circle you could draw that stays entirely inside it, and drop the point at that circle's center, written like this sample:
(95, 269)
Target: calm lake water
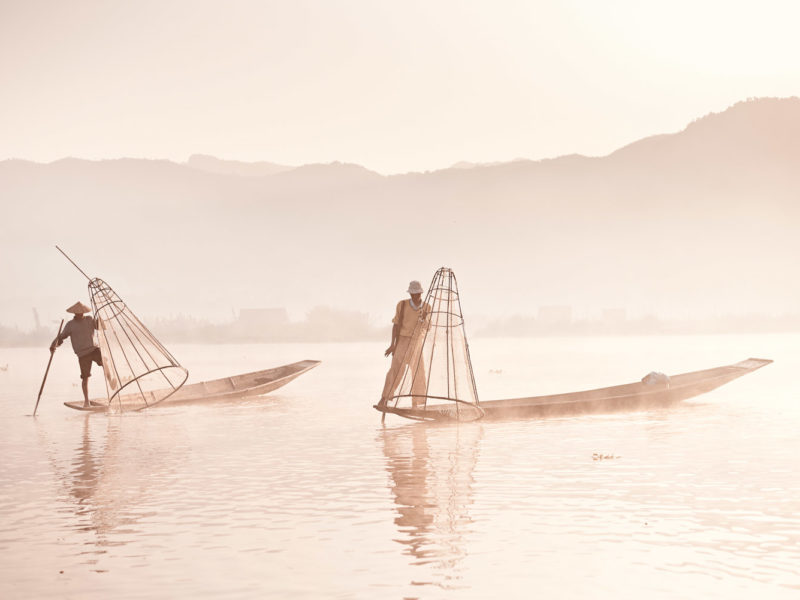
(302, 493)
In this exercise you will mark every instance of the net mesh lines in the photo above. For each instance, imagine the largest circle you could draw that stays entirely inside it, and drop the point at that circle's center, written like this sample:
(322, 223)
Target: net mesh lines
(139, 371)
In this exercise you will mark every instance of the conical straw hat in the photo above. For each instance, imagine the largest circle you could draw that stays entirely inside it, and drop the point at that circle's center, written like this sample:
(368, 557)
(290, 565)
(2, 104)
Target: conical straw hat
(79, 308)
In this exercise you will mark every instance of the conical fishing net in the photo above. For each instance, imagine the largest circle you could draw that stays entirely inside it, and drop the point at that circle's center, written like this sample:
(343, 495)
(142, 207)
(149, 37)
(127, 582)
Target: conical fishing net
(139, 370)
(436, 378)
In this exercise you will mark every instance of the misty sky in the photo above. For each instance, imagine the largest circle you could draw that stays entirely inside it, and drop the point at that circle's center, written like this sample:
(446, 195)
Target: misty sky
(395, 86)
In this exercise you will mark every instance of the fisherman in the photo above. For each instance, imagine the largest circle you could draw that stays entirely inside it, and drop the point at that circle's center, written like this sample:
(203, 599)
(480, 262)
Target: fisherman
(80, 330)
(410, 322)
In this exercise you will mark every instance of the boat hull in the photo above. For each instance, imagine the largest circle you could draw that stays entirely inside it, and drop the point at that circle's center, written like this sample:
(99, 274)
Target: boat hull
(256, 383)
(94, 406)
(628, 397)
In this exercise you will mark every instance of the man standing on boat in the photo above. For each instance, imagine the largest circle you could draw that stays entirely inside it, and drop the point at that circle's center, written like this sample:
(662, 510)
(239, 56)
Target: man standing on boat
(80, 330)
(410, 322)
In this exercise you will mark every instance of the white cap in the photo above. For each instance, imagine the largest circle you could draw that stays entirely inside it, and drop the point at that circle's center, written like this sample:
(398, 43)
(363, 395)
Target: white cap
(415, 287)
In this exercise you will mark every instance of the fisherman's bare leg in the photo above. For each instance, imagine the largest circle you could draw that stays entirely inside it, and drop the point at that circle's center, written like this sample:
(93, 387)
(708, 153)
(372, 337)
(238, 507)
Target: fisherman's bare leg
(85, 363)
(85, 388)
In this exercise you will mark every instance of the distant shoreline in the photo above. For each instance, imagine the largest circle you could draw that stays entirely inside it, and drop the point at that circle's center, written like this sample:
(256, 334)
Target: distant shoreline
(182, 331)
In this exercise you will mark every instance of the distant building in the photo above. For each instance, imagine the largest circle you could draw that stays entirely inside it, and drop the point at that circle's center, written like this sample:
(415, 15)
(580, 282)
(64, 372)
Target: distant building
(259, 319)
(614, 316)
(554, 315)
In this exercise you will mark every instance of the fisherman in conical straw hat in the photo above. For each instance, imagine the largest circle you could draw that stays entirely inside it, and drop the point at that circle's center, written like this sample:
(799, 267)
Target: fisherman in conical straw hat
(405, 333)
(80, 330)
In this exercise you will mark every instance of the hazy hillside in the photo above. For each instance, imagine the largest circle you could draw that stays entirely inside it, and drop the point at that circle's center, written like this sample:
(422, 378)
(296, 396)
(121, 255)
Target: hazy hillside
(700, 222)
(212, 164)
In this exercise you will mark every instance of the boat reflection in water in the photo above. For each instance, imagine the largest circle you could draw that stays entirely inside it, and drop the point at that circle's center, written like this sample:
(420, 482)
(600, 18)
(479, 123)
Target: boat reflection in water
(431, 469)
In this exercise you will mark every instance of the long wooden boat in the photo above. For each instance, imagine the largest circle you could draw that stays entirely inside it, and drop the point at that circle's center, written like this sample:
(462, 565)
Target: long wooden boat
(256, 383)
(628, 397)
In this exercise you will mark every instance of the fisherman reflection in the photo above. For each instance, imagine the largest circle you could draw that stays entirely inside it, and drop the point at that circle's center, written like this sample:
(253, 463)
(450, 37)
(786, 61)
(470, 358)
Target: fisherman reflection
(91, 478)
(106, 476)
(84, 469)
(431, 471)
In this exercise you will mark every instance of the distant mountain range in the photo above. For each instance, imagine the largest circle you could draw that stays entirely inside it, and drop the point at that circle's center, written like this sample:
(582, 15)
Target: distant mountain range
(699, 222)
(211, 164)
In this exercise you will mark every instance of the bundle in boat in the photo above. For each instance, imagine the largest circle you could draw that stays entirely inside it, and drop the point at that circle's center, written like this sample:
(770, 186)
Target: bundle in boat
(139, 371)
(436, 380)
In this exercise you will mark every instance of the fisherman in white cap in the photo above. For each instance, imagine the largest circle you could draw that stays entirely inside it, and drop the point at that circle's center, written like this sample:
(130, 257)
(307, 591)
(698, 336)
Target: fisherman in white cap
(80, 330)
(410, 321)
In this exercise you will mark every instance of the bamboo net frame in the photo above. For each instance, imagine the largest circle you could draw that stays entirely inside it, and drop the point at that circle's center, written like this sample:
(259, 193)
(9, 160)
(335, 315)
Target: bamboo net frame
(139, 371)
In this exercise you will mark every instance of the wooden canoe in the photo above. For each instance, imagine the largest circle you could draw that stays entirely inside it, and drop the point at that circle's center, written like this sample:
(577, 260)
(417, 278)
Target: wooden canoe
(256, 383)
(628, 397)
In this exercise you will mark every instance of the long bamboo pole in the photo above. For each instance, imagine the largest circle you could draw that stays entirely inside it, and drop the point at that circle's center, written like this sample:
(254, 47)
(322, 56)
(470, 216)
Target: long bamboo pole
(73, 263)
(47, 370)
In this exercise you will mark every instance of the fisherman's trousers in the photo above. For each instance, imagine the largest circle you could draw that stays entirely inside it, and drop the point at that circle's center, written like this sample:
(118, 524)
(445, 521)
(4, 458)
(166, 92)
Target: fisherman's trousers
(401, 371)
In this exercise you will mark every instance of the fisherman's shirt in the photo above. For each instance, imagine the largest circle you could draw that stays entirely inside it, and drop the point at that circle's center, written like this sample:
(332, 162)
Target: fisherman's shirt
(408, 318)
(81, 334)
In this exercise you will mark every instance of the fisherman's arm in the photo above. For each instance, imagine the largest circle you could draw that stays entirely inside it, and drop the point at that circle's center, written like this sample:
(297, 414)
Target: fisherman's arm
(424, 321)
(397, 322)
(395, 335)
(60, 338)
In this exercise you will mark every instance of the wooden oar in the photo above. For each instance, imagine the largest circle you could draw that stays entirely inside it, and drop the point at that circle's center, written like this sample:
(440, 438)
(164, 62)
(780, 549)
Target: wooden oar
(47, 370)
